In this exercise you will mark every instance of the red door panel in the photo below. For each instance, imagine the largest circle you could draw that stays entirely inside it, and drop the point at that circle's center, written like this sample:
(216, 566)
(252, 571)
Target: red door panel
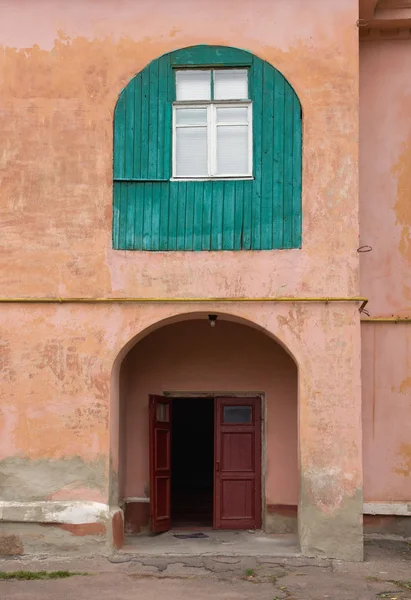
(237, 471)
(160, 463)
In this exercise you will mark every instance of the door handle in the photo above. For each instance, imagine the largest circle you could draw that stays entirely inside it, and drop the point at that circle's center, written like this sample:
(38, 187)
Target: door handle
(217, 467)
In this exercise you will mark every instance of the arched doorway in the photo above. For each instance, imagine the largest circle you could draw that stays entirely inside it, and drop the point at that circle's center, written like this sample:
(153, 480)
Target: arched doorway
(202, 370)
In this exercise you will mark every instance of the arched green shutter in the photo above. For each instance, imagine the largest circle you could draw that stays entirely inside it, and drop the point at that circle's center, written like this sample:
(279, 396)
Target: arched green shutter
(150, 212)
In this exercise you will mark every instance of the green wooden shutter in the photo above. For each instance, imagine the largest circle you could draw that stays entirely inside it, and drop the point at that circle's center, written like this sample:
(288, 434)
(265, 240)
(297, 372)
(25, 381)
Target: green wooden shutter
(142, 154)
(152, 213)
(277, 137)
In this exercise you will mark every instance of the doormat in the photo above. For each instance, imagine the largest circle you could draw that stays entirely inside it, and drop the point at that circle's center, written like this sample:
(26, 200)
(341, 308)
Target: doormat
(190, 536)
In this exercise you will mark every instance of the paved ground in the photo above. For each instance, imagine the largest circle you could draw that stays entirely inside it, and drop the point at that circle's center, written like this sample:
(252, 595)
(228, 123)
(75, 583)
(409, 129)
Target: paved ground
(386, 573)
(214, 543)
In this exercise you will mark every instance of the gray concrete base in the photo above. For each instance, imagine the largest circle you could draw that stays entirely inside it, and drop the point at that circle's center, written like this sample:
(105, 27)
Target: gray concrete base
(334, 534)
(218, 543)
(17, 539)
(278, 523)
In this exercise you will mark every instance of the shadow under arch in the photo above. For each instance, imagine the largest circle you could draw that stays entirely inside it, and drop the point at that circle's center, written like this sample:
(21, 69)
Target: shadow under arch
(118, 435)
(192, 315)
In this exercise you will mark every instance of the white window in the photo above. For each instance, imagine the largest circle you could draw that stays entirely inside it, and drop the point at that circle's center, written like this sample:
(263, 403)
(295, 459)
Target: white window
(212, 124)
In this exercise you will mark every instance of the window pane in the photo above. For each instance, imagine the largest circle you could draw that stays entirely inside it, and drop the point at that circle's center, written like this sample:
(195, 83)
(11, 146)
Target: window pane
(232, 150)
(191, 155)
(191, 116)
(231, 84)
(235, 114)
(193, 85)
(162, 413)
(238, 414)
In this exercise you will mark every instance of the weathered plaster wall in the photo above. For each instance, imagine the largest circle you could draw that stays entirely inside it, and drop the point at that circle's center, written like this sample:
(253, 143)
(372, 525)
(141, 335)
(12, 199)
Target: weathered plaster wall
(43, 419)
(385, 177)
(387, 412)
(191, 356)
(59, 84)
(385, 212)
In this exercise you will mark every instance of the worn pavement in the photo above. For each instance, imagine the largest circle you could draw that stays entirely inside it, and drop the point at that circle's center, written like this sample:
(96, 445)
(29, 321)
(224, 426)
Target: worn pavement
(386, 573)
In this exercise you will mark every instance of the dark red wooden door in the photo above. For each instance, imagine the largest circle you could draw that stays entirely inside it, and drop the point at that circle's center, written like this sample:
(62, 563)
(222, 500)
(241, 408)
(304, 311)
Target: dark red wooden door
(237, 469)
(160, 463)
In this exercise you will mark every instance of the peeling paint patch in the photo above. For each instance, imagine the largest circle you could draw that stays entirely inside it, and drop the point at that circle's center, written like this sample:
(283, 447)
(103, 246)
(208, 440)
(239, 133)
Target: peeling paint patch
(70, 513)
(22, 479)
(405, 385)
(81, 529)
(402, 206)
(405, 467)
(11, 545)
(7, 373)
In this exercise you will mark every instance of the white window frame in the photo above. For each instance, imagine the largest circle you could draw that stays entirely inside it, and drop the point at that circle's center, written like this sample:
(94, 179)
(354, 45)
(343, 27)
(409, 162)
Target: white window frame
(211, 107)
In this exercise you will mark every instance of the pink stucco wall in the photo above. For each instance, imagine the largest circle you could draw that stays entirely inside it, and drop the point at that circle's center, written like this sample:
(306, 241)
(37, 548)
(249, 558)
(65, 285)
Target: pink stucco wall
(190, 356)
(385, 215)
(61, 80)
(62, 67)
(386, 377)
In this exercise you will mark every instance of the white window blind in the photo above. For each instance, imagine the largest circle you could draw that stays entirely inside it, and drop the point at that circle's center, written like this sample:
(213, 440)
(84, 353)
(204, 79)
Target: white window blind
(231, 84)
(193, 85)
(214, 139)
(191, 142)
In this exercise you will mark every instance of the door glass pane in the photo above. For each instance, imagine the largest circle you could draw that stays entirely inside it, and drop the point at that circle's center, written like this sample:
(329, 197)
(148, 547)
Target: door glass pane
(191, 116)
(232, 149)
(193, 85)
(232, 114)
(191, 155)
(231, 84)
(162, 413)
(238, 414)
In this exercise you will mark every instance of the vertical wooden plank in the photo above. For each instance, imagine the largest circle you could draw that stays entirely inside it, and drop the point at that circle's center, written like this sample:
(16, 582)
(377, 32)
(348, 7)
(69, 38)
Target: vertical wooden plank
(164, 215)
(247, 212)
(239, 215)
(123, 216)
(228, 215)
(116, 216)
(148, 196)
(198, 215)
(297, 173)
(161, 114)
(217, 216)
(130, 215)
(207, 215)
(164, 135)
(181, 215)
(155, 216)
(288, 167)
(267, 159)
(278, 166)
(258, 92)
(139, 215)
(173, 215)
(168, 138)
(119, 136)
(129, 134)
(189, 229)
(137, 126)
(153, 121)
(145, 118)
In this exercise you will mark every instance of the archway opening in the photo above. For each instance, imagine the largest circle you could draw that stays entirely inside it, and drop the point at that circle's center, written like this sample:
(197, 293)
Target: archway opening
(205, 373)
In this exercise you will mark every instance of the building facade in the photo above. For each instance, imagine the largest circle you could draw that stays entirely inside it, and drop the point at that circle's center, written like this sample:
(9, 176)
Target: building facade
(205, 270)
